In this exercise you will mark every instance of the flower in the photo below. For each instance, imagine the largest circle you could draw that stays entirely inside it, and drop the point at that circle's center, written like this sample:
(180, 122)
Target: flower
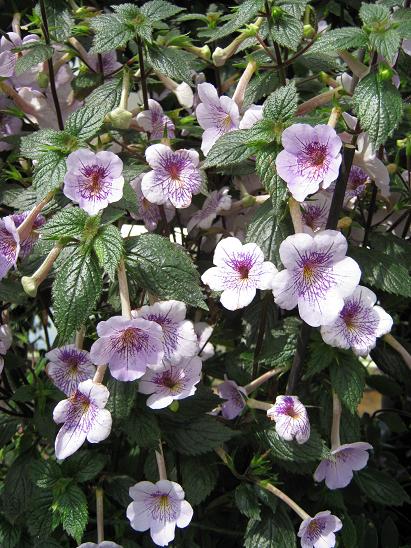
(172, 382)
(6, 338)
(128, 346)
(291, 419)
(148, 212)
(9, 125)
(204, 332)
(26, 246)
(234, 396)
(9, 245)
(216, 115)
(155, 121)
(311, 156)
(180, 341)
(109, 63)
(219, 200)
(69, 366)
(104, 544)
(251, 116)
(318, 532)
(84, 417)
(358, 324)
(357, 181)
(8, 58)
(315, 211)
(317, 276)
(93, 180)
(240, 270)
(338, 469)
(175, 176)
(159, 507)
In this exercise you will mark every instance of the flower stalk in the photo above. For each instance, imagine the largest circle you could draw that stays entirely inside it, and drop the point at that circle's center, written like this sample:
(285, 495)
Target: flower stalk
(335, 427)
(398, 347)
(31, 283)
(239, 92)
(100, 514)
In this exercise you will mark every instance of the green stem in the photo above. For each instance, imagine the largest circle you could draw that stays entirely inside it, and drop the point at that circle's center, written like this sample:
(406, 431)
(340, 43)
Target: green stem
(142, 73)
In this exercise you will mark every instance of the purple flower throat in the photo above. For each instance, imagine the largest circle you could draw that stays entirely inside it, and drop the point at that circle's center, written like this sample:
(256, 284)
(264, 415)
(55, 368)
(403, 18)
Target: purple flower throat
(94, 178)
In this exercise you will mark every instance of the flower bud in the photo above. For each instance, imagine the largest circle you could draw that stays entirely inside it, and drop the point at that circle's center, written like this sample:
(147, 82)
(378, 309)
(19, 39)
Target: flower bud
(392, 168)
(120, 118)
(30, 285)
(345, 222)
(276, 13)
(219, 57)
(43, 79)
(174, 406)
(308, 31)
(385, 72)
(248, 200)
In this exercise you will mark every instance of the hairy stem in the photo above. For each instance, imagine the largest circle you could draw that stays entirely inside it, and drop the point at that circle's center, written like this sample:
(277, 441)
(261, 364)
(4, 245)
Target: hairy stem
(142, 73)
(100, 514)
(335, 427)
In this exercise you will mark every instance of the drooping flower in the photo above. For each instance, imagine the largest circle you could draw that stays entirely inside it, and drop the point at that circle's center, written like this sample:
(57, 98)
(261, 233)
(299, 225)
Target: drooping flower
(180, 341)
(174, 381)
(291, 419)
(148, 212)
(159, 507)
(216, 115)
(318, 532)
(83, 417)
(93, 180)
(155, 121)
(69, 366)
(6, 338)
(9, 125)
(235, 398)
(338, 469)
(358, 324)
(26, 246)
(128, 347)
(9, 245)
(240, 270)
(315, 211)
(175, 176)
(317, 276)
(204, 332)
(311, 157)
(219, 200)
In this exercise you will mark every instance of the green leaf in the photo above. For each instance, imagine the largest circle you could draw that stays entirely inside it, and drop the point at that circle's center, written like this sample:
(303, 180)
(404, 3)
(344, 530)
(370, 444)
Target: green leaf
(198, 436)
(133, 17)
(106, 97)
(378, 104)
(231, 148)
(344, 38)
(389, 534)
(77, 286)
(321, 356)
(144, 430)
(117, 487)
(271, 532)
(164, 269)
(172, 62)
(373, 13)
(45, 474)
(272, 182)
(381, 488)
(49, 173)
(70, 221)
(348, 380)
(199, 478)
(287, 31)
(18, 488)
(111, 32)
(157, 10)
(402, 18)
(386, 42)
(267, 229)
(72, 507)
(108, 246)
(9, 534)
(84, 466)
(313, 450)
(59, 19)
(281, 105)
(40, 518)
(247, 501)
(380, 271)
(245, 12)
(85, 122)
(122, 398)
(36, 144)
(260, 86)
(38, 53)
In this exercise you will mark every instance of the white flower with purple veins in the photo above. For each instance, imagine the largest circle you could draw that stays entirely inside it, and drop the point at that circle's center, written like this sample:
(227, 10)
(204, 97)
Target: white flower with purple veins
(315, 211)
(318, 532)
(69, 366)
(317, 276)
(216, 115)
(311, 157)
(83, 417)
(159, 507)
(174, 381)
(149, 213)
(8, 58)
(155, 121)
(337, 470)
(180, 340)
(291, 419)
(6, 338)
(175, 176)
(93, 180)
(235, 397)
(251, 116)
(358, 324)
(9, 245)
(27, 245)
(219, 200)
(104, 544)
(240, 270)
(204, 332)
(128, 347)
(9, 125)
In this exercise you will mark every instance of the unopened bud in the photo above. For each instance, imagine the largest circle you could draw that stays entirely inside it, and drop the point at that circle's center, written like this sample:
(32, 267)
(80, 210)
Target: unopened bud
(248, 200)
(42, 79)
(174, 406)
(120, 118)
(308, 31)
(30, 285)
(203, 52)
(219, 57)
(401, 143)
(345, 222)
(385, 72)
(392, 168)
(276, 13)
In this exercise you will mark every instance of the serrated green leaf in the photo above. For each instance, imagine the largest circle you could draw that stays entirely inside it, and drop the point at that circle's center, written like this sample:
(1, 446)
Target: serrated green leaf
(231, 148)
(381, 487)
(199, 477)
(45, 474)
(85, 122)
(9, 534)
(77, 286)
(172, 62)
(271, 532)
(18, 488)
(108, 246)
(38, 53)
(59, 19)
(313, 450)
(386, 42)
(36, 144)
(157, 10)
(287, 31)
(344, 38)
(282, 104)
(72, 508)
(122, 398)
(268, 229)
(40, 518)
(144, 431)
(247, 501)
(272, 182)
(402, 18)
(321, 356)
(49, 173)
(373, 13)
(348, 380)
(260, 86)
(117, 487)
(378, 104)
(107, 96)
(164, 269)
(134, 18)
(84, 466)
(111, 32)
(70, 221)
(245, 12)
